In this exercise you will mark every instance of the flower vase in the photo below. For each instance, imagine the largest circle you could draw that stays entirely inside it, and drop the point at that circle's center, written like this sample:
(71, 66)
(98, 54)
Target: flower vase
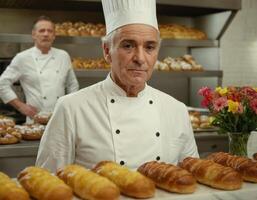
(238, 143)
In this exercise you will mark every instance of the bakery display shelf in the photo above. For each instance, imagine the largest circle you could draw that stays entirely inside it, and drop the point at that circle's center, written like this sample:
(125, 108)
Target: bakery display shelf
(83, 73)
(24, 148)
(26, 38)
(168, 7)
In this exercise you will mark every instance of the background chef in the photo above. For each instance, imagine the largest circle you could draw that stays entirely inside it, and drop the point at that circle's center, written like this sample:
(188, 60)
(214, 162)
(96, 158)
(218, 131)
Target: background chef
(44, 73)
(121, 118)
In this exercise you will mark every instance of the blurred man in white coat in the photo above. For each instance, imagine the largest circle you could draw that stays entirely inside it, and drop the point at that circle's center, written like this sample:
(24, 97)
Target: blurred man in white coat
(44, 73)
(121, 118)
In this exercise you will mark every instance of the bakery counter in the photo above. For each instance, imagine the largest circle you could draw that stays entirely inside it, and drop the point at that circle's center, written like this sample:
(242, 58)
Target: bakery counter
(15, 157)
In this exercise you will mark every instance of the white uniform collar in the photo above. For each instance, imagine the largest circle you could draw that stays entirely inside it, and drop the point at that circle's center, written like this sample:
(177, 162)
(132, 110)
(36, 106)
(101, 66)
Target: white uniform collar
(114, 90)
(37, 52)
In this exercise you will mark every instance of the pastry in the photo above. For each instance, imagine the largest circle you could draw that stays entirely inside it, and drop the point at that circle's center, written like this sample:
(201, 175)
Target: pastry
(255, 156)
(42, 185)
(9, 190)
(245, 166)
(9, 136)
(42, 117)
(169, 177)
(87, 184)
(30, 131)
(130, 183)
(213, 174)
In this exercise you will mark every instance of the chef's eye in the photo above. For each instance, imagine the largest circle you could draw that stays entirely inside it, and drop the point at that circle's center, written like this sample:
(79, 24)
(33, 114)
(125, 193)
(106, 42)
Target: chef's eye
(127, 45)
(151, 47)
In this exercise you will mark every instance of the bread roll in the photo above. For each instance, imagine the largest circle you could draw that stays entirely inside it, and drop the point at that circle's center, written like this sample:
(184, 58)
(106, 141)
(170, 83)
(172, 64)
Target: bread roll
(245, 166)
(212, 174)
(130, 183)
(169, 177)
(9, 190)
(42, 185)
(87, 184)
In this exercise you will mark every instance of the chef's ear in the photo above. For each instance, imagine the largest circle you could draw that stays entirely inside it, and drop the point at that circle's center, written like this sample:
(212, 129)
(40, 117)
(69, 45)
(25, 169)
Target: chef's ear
(106, 51)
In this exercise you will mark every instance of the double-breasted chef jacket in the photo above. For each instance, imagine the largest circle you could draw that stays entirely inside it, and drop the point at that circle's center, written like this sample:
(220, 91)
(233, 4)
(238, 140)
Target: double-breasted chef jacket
(101, 123)
(43, 77)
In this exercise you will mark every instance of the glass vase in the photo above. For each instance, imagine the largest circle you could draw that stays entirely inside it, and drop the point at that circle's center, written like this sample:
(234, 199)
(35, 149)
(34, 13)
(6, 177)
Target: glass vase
(238, 143)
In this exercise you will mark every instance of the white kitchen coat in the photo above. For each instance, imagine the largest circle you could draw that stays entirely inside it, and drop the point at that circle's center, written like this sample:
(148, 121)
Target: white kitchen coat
(43, 78)
(101, 123)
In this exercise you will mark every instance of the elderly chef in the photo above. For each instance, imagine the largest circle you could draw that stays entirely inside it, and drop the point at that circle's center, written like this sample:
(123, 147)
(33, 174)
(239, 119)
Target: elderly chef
(121, 118)
(44, 73)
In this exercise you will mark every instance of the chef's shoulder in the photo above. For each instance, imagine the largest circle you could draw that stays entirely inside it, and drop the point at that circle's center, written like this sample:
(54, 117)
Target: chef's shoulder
(60, 52)
(167, 101)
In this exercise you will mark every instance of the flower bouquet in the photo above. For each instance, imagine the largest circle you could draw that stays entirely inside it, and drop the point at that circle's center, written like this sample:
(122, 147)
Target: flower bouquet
(234, 111)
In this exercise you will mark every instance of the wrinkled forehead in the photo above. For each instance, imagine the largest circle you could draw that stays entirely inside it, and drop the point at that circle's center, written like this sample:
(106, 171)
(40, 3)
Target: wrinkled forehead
(137, 32)
(43, 24)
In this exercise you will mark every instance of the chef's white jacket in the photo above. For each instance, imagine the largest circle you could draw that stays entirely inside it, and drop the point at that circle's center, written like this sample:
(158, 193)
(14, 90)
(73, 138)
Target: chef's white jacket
(43, 81)
(101, 123)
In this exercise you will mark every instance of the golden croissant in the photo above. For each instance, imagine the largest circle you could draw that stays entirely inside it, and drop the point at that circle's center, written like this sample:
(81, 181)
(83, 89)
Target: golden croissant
(130, 183)
(87, 184)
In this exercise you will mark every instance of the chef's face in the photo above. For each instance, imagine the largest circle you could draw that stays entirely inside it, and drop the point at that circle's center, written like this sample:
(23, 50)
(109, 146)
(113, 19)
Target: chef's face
(43, 34)
(132, 54)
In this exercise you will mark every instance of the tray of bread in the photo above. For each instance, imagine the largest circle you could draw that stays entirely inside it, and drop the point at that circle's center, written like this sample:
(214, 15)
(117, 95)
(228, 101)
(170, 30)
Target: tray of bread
(219, 173)
(10, 133)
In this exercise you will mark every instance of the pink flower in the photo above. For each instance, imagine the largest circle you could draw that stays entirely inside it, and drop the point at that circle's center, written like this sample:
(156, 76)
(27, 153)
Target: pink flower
(248, 92)
(204, 91)
(219, 103)
(253, 105)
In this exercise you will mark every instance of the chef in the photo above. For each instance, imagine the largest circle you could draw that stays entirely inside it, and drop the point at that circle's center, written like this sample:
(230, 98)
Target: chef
(121, 118)
(44, 73)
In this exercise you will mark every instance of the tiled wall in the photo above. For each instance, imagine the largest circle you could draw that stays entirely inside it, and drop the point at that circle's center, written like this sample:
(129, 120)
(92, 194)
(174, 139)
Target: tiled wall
(238, 50)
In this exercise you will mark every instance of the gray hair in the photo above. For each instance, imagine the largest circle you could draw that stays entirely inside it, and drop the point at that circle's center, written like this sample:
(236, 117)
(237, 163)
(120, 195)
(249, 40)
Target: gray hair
(108, 39)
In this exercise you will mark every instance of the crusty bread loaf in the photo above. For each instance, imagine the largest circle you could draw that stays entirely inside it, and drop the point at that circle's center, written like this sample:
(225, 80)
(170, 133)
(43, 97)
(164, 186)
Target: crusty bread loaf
(87, 184)
(245, 166)
(213, 174)
(42, 185)
(169, 177)
(130, 183)
(9, 190)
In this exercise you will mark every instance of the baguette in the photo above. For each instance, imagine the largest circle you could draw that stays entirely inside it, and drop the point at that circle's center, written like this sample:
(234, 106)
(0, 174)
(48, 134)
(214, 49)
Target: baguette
(245, 166)
(130, 183)
(87, 184)
(42, 185)
(210, 173)
(169, 177)
(9, 190)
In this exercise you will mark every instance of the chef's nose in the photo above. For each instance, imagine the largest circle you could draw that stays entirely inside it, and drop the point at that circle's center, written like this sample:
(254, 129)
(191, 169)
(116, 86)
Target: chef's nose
(139, 56)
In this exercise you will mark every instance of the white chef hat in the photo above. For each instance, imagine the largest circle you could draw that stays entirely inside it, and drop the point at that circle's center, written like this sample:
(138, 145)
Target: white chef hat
(118, 13)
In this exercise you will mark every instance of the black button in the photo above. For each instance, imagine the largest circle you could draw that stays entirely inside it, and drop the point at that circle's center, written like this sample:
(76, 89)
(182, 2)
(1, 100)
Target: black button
(118, 131)
(40, 72)
(57, 71)
(151, 102)
(122, 162)
(157, 134)
(112, 100)
(158, 158)
(58, 97)
(44, 97)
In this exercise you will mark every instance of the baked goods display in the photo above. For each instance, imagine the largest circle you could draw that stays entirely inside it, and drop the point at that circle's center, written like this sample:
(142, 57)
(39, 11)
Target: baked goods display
(169, 177)
(6, 122)
(40, 184)
(245, 166)
(183, 63)
(176, 31)
(30, 131)
(80, 29)
(9, 136)
(199, 120)
(87, 63)
(42, 117)
(130, 183)
(10, 190)
(213, 174)
(87, 184)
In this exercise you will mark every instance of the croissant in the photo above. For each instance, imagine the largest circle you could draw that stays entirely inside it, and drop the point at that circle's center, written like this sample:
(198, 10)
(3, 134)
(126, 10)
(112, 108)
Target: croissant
(130, 183)
(169, 177)
(9, 190)
(213, 174)
(245, 166)
(42, 185)
(87, 184)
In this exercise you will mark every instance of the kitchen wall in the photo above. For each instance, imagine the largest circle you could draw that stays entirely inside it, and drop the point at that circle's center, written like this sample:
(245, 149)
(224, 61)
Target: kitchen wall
(238, 52)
